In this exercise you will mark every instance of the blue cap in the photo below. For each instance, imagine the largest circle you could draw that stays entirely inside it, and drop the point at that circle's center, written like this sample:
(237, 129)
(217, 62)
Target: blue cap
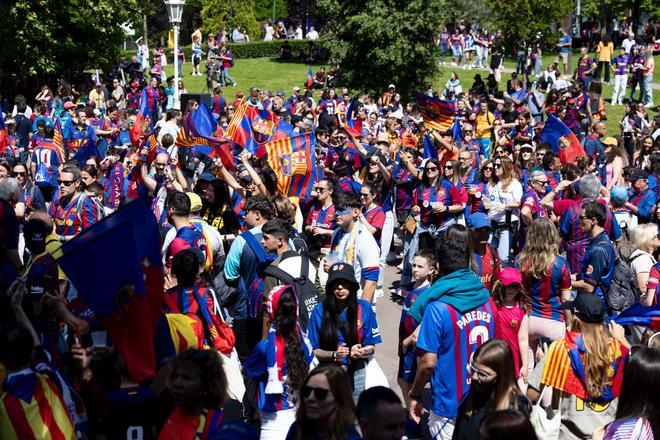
(478, 220)
(207, 177)
(619, 195)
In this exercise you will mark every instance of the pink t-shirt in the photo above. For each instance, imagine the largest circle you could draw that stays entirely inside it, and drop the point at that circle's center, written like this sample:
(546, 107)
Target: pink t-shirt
(507, 328)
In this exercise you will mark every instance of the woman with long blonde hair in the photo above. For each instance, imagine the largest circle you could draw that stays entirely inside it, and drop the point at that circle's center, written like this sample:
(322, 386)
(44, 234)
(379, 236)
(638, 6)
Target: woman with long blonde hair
(546, 279)
(585, 368)
(504, 195)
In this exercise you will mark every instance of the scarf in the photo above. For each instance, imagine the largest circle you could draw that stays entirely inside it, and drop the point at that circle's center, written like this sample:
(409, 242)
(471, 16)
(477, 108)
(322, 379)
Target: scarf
(461, 289)
(564, 369)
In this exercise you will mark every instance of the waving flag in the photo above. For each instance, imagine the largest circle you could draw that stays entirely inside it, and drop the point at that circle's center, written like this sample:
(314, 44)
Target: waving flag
(645, 316)
(4, 136)
(142, 121)
(563, 141)
(293, 159)
(251, 128)
(58, 139)
(202, 121)
(429, 149)
(456, 130)
(437, 114)
(128, 301)
(32, 407)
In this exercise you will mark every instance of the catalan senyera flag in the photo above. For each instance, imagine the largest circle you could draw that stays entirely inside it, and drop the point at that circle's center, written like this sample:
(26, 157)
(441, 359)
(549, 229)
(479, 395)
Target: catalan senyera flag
(437, 114)
(58, 139)
(564, 370)
(129, 302)
(142, 121)
(175, 333)
(293, 159)
(32, 407)
(563, 141)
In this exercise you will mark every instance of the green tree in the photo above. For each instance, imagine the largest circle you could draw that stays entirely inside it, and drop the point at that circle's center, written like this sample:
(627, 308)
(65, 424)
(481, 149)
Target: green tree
(217, 14)
(377, 42)
(520, 20)
(263, 9)
(51, 36)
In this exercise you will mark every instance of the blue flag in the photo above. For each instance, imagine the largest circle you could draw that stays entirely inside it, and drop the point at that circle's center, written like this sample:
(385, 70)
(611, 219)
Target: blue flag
(429, 149)
(456, 130)
(86, 151)
(637, 314)
(563, 141)
(203, 122)
(117, 270)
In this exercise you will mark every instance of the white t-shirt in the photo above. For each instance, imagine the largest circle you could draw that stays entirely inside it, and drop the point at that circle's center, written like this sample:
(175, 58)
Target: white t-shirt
(512, 194)
(312, 35)
(627, 44)
(643, 261)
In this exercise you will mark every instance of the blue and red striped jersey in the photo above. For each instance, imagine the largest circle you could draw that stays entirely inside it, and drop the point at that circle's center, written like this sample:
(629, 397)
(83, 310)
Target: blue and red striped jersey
(545, 293)
(574, 240)
(488, 266)
(453, 337)
(408, 324)
(424, 196)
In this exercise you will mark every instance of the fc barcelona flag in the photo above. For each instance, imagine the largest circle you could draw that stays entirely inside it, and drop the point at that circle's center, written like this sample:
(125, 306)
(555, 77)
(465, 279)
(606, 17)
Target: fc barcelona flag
(437, 114)
(32, 407)
(251, 128)
(293, 159)
(128, 299)
(563, 141)
(646, 316)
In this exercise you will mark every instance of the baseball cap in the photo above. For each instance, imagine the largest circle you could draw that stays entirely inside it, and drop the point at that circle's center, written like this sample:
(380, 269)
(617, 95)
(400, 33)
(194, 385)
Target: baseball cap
(619, 195)
(391, 86)
(341, 271)
(610, 141)
(67, 105)
(478, 220)
(296, 89)
(586, 306)
(526, 147)
(280, 92)
(510, 276)
(195, 202)
(207, 177)
(636, 174)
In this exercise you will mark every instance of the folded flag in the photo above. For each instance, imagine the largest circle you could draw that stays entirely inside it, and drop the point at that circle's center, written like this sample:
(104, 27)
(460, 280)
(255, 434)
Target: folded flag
(645, 316)
(128, 302)
(456, 129)
(563, 141)
(437, 114)
(293, 159)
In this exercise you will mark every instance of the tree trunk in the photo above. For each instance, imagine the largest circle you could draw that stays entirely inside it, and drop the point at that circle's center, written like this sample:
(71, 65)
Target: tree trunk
(635, 15)
(145, 29)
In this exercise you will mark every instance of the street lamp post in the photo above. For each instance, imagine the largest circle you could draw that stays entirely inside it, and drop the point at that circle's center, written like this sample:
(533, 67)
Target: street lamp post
(175, 10)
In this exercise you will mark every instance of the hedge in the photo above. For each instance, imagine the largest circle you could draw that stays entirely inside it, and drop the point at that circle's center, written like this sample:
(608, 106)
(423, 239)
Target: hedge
(255, 49)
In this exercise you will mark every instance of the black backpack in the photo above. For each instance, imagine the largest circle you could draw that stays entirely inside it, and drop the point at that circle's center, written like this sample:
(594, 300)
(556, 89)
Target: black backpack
(305, 289)
(624, 290)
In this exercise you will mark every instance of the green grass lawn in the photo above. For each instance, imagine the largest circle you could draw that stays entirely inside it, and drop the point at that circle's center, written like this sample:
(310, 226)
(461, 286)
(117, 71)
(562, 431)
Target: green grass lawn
(267, 73)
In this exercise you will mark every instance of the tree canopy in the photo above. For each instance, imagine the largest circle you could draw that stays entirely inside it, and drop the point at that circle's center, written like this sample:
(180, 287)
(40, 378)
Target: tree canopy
(377, 42)
(49, 36)
(217, 14)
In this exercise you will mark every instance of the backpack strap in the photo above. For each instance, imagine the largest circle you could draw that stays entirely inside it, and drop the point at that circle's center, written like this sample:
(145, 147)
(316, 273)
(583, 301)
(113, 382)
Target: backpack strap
(256, 247)
(279, 274)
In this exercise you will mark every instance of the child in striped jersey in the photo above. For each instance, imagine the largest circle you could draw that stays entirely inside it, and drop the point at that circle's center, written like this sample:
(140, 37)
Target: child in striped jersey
(424, 268)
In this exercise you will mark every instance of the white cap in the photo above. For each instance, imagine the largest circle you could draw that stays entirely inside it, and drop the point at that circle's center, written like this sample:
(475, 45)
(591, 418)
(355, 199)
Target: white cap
(391, 86)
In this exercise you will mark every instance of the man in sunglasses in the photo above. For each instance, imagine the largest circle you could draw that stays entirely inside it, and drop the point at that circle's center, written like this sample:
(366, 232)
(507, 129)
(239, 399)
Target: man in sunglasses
(353, 244)
(73, 211)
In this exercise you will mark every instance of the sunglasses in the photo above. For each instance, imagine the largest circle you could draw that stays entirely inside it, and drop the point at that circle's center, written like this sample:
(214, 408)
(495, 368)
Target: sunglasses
(319, 190)
(429, 169)
(65, 182)
(448, 167)
(364, 195)
(319, 393)
(481, 374)
(497, 165)
(19, 173)
(488, 168)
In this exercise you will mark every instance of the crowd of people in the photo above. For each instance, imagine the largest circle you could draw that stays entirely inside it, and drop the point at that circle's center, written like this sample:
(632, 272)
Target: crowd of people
(517, 266)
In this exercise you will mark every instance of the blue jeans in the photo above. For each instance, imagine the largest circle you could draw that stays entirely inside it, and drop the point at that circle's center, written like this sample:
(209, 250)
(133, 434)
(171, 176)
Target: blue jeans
(502, 238)
(647, 90)
(224, 76)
